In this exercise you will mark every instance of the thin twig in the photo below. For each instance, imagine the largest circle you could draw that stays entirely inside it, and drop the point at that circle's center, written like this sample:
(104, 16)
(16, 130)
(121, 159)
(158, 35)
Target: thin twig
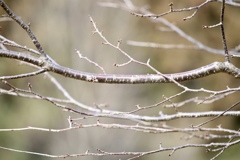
(224, 41)
(23, 75)
(212, 119)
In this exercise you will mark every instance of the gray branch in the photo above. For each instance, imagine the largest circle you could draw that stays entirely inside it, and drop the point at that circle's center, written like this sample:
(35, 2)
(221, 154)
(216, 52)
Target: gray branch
(48, 64)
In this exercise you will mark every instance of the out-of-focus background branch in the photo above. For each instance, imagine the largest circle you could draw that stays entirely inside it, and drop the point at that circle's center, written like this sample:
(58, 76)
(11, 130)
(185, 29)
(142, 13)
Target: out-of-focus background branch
(63, 26)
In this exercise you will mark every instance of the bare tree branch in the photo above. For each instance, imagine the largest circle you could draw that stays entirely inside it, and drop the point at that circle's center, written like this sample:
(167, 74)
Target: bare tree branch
(149, 119)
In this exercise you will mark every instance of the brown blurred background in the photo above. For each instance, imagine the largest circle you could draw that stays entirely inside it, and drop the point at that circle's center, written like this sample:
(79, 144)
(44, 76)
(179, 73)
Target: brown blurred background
(63, 26)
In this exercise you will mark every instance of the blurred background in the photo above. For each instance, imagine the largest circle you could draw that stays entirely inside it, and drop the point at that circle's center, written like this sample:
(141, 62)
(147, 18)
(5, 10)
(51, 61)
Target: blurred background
(62, 26)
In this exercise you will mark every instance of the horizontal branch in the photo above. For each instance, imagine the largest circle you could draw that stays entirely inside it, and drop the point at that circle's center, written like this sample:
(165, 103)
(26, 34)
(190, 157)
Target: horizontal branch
(227, 133)
(50, 65)
(96, 112)
(100, 152)
(166, 117)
